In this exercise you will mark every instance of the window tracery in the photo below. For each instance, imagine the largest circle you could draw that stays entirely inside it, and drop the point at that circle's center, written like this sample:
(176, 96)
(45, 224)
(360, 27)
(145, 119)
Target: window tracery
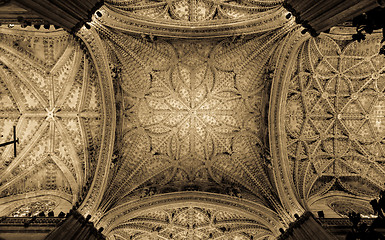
(33, 209)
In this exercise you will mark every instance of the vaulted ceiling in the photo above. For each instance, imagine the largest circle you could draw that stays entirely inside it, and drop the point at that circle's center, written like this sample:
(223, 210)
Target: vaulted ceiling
(334, 118)
(191, 120)
(50, 93)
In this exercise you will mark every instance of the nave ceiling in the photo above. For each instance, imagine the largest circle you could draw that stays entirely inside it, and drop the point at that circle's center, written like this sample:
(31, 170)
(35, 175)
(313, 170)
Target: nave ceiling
(191, 120)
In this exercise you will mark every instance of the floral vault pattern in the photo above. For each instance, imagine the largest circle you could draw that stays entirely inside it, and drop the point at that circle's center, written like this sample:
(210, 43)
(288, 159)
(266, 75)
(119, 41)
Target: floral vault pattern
(190, 118)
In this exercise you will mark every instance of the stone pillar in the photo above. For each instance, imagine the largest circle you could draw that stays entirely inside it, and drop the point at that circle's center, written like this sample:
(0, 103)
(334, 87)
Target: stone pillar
(318, 16)
(306, 227)
(69, 14)
(76, 227)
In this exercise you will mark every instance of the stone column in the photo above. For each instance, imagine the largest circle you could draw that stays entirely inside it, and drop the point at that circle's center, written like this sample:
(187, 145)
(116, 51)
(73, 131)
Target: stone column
(306, 227)
(76, 227)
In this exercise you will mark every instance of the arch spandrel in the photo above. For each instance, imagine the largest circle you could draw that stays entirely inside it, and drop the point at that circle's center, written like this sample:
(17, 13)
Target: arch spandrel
(332, 122)
(337, 204)
(191, 222)
(49, 93)
(192, 213)
(193, 19)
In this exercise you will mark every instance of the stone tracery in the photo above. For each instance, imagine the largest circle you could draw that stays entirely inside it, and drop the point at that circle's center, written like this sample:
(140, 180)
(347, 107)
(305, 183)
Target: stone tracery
(187, 113)
(193, 19)
(191, 223)
(162, 215)
(194, 11)
(33, 209)
(192, 116)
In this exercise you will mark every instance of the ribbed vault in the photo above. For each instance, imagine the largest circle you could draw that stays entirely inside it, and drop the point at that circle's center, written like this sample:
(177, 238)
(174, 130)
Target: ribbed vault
(191, 119)
(333, 119)
(50, 93)
(190, 223)
(192, 18)
(193, 116)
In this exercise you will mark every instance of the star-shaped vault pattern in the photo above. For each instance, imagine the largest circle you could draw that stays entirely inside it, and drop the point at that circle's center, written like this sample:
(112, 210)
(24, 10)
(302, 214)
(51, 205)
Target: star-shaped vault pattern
(190, 116)
(49, 92)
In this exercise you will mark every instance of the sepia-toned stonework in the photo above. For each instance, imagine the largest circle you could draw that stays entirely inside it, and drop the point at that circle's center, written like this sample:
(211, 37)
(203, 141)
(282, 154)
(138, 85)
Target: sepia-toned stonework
(191, 119)
(332, 118)
(50, 94)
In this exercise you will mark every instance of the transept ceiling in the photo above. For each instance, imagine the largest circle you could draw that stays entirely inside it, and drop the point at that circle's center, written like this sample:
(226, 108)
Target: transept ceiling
(191, 120)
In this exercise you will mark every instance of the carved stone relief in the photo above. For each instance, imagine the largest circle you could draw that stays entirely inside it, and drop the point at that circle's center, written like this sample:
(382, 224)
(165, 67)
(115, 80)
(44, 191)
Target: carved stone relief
(192, 114)
(194, 11)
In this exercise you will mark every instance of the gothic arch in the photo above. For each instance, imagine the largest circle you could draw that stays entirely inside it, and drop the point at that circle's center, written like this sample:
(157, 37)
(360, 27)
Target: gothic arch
(266, 219)
(285, 54)
(339, 204)
(97, 51)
